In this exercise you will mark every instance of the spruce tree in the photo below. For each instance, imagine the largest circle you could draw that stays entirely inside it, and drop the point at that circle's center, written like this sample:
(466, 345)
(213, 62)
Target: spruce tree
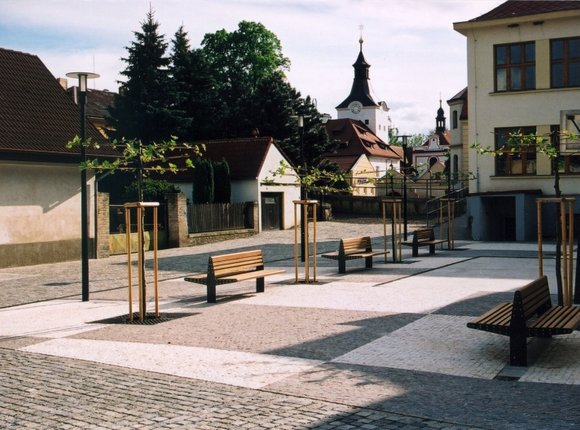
(143, 109)
(181, 80)
(222, 182)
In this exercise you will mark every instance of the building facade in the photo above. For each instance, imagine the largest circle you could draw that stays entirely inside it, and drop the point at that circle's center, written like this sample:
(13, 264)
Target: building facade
(523, 77)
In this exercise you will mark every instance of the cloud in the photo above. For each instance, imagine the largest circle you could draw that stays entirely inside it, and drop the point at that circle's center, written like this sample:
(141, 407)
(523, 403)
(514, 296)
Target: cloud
(414, 53)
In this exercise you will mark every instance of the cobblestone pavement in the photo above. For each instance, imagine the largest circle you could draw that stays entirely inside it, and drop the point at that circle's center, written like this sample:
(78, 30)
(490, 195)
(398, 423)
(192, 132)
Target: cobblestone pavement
(48, 393)
(385, 348)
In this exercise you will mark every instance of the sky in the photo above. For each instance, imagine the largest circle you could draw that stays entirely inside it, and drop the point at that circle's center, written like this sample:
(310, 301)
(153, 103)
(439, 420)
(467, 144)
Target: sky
(415, 55)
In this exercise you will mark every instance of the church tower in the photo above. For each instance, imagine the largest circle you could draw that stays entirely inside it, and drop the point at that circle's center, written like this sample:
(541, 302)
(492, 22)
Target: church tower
(440, 120)
(360, 105)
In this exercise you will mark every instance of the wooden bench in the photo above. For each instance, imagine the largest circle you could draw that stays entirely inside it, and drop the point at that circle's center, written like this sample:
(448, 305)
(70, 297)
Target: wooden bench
(423, 237)
(236, 267)
(530, 315)
(354, 248)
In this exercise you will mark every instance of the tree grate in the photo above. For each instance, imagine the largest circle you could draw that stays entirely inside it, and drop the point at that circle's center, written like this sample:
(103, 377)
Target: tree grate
(149, 319)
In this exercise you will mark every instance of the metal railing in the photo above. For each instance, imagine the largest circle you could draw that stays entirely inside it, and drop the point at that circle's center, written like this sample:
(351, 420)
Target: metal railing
(432, 206)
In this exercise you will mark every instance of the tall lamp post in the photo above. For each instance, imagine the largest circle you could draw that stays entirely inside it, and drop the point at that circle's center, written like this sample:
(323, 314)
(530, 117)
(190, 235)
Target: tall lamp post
(405, 170)
(302, 190)
(83, 77)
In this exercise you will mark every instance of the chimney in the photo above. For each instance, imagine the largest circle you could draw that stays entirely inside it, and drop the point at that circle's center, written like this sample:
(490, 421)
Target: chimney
(63, 82)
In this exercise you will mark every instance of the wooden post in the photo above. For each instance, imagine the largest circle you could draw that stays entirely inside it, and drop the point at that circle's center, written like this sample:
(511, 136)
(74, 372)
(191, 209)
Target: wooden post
(540, 235)
(305, 206)
(130, 275)
(567, 243)
(140, 207)
(450, 221)
(396, 228)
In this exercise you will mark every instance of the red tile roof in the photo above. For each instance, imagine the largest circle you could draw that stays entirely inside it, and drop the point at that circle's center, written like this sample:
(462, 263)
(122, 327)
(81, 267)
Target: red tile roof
(98, 102)
(516, 8)
(37, 117)
(245, 156)
(356, 138)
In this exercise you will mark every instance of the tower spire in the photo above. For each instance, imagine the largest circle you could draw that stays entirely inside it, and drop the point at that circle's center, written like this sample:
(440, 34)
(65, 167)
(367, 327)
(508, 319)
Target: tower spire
(360, 90)
(440, 119)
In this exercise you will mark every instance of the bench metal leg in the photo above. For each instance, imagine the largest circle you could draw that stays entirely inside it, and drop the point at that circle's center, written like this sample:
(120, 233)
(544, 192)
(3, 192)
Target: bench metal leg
(341, 265)
(369, 262)
(431, 249)
(211, 294)
(415, 250)
(259, 285)
(518, 350)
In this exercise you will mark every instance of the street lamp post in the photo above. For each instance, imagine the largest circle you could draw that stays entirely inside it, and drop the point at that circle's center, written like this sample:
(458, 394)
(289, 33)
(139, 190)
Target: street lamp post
(405, 170)
(83, 77)
(303, 195)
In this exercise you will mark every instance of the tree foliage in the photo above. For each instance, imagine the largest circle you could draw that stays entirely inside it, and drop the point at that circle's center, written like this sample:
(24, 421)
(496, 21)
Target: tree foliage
(143, 109)
(222, 181)
(203, 182)
(549, 146)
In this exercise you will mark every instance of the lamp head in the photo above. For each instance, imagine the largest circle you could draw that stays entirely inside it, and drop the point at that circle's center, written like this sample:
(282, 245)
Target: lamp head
(83, 77)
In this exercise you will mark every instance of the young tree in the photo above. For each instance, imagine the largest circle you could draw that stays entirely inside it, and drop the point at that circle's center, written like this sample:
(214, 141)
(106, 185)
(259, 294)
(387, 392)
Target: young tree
(548, 145)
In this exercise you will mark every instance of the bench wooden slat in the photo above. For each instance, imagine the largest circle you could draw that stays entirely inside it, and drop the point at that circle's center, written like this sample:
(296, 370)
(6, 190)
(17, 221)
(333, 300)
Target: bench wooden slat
(423, 237)
(532, 314)
(496, 320)
(558, 320)
(253, 275)
(235, 267)
(354, 248)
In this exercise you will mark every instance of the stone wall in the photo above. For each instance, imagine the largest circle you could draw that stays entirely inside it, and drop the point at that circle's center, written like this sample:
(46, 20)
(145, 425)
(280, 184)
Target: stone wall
(102, 243)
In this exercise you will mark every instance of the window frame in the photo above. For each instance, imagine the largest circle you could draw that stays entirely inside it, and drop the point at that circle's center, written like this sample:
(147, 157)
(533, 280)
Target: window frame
(565, 62)
(517, 163)
(523, 65)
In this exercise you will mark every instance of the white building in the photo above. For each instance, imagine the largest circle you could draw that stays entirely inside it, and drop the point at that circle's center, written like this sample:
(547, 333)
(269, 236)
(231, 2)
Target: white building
(360, 105)
(523, 75)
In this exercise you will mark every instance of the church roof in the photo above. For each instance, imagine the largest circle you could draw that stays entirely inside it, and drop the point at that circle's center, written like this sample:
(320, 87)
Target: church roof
(444, 139)
(360, 90)
(356, 138)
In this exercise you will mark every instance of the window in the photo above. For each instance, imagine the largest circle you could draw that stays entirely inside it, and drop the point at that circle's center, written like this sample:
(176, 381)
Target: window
(565, 62)
(518, 158)
(454, 119)
(515, 67)
(569, 163)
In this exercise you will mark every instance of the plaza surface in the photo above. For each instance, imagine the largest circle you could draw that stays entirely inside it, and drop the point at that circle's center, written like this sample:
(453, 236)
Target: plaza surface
(374, 349)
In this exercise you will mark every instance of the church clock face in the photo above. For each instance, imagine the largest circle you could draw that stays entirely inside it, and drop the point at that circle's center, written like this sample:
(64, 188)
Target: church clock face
(355, 107)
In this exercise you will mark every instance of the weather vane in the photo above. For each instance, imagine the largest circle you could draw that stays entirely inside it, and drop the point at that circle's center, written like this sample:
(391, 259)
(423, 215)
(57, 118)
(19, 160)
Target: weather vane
(361, 28)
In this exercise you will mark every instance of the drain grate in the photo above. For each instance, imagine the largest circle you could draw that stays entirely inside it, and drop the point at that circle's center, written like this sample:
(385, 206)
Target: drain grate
(150, 319)
(506, 378)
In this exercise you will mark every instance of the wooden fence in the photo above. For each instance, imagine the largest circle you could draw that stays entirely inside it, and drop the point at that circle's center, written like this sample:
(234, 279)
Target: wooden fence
(202, 218)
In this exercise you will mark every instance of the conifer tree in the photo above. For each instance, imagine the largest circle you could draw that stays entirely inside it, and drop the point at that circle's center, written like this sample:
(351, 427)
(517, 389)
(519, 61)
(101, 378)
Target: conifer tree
(222, 182)
(143, 110)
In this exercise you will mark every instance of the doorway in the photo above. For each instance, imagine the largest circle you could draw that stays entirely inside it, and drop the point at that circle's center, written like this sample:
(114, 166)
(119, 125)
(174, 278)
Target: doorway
(272, 211)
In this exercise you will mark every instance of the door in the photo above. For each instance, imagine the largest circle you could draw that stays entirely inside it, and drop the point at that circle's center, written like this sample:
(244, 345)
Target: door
(271, 211)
